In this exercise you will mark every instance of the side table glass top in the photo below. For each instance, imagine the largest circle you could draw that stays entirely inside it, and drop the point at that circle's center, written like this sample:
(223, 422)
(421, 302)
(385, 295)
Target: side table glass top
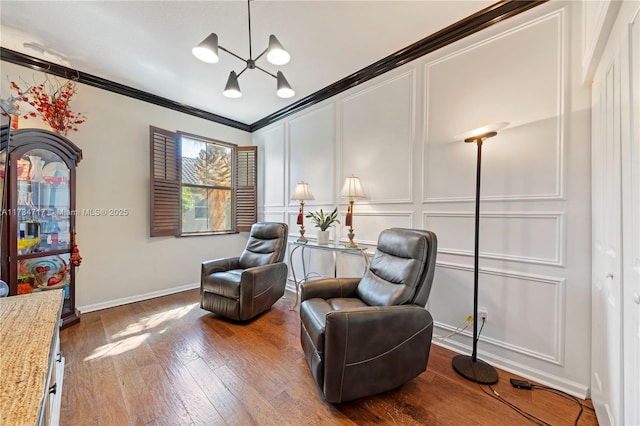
(329, 247)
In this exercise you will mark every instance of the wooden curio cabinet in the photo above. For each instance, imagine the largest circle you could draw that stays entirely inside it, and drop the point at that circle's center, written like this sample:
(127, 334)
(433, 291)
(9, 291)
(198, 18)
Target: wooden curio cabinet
(39, 209)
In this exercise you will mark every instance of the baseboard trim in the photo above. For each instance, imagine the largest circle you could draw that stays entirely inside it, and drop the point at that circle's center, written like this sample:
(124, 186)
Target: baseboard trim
(136, 298)
(573, 388)
(291, 286)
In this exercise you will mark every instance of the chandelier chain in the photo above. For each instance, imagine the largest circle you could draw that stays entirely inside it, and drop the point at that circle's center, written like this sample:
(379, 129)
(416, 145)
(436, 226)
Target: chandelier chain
(249, 18)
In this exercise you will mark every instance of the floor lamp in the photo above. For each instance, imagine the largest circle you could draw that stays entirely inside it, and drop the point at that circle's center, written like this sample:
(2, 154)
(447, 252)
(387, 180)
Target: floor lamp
(470, 367)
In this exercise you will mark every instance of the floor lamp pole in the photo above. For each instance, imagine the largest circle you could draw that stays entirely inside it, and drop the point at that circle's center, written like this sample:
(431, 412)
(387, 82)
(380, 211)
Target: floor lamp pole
(474, 352)
(470, 367)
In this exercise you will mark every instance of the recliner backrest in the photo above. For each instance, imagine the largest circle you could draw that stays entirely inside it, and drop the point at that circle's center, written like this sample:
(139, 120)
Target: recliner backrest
(401, 270)
(267, 244)
(423, 291)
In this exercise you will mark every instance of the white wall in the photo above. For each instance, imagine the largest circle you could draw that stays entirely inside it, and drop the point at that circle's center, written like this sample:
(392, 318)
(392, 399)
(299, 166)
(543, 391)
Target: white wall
(121, 262)
(401, 133)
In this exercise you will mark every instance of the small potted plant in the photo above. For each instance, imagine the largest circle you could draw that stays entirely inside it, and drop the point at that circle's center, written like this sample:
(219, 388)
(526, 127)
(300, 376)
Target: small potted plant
(323, 221)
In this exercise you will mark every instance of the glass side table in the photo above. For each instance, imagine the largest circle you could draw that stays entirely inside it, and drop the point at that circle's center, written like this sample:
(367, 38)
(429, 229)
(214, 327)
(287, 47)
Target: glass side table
(335, 249)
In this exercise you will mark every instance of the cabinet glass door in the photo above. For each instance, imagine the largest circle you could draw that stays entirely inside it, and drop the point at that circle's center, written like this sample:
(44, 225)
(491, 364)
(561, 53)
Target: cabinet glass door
(46, 273)
(43, 209)
(43, 203)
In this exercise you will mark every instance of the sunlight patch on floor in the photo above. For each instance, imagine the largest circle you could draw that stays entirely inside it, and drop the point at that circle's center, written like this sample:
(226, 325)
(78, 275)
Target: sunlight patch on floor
(136, 333)
(117, 348)
(154, 321)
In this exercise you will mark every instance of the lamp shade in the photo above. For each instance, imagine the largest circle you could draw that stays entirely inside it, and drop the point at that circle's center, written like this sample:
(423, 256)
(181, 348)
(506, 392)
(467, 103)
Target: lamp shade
(352, 188)
(276, 53)
(482, 132)
(302, 192)
(284, 89)
(232, 89)
(207, 51)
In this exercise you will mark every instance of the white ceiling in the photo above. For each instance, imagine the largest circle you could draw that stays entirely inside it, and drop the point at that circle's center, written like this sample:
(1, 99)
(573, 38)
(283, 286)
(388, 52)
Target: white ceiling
(147, 44)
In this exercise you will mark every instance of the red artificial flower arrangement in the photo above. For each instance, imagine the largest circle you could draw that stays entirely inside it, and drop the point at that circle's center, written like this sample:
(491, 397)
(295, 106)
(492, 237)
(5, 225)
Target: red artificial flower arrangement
(51, 103)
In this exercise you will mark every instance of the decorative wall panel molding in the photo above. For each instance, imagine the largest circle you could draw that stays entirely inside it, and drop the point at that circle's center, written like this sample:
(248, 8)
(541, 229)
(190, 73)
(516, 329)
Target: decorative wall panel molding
(526, 311)
(465, 27)
(271, 158)
(531, 237)
(492, 15)
(372, 120)
(275, 216)
(368, 225)
(480, 85)
(312, 152)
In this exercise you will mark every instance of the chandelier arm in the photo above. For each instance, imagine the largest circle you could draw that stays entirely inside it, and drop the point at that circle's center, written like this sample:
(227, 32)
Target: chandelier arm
(249, 15)
(240, 73)
(208, 52)
(260, 55)
(266, 72)
(232, 54)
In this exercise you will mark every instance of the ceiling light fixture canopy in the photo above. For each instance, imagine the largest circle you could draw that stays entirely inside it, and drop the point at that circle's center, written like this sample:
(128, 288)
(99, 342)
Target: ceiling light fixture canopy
(207, 51)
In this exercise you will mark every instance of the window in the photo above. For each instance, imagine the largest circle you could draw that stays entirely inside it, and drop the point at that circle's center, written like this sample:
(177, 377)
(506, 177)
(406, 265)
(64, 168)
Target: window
(200, 207)
(200, 185)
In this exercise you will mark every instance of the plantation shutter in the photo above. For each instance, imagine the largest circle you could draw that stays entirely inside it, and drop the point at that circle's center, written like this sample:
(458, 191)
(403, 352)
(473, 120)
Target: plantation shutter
(165, 182)
(246, 188)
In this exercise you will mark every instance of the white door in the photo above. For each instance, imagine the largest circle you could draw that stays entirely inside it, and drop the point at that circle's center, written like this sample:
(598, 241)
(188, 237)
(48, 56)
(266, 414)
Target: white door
(631, 222)
(606, 343)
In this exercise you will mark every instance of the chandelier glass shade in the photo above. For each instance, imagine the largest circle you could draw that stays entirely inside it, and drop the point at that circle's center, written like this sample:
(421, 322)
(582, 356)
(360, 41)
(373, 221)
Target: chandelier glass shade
(208, 51)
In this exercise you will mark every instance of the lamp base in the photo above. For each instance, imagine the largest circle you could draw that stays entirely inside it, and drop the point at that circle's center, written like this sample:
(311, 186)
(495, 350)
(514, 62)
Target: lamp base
(302, 238)
(350, 234)
(478, 371)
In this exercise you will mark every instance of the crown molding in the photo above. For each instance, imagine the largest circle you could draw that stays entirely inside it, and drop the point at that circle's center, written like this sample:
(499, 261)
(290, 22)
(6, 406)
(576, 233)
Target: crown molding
(471, 24)
(111, 86)
(478, 21)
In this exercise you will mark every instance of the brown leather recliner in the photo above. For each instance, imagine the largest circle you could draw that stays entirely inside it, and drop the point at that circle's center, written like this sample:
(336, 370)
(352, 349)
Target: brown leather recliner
(363, 336)
(242, 287)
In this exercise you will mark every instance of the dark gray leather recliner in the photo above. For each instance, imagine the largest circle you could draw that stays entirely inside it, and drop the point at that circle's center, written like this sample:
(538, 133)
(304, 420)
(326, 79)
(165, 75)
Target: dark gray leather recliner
(363, 336)
(242, 287)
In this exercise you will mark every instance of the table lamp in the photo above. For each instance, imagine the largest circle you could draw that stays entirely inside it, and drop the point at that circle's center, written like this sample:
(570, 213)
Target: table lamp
(352, 189)
(301, 193)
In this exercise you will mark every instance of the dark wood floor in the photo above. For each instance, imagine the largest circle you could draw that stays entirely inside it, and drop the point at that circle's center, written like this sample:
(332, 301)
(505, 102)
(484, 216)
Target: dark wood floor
(167, 362)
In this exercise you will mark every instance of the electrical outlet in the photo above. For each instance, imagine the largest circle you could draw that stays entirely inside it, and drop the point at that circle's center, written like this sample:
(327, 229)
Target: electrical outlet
(483, 313)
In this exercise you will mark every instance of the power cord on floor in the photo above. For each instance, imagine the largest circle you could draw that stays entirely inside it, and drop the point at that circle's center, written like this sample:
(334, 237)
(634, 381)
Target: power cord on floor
(496, 395)
(514, 407)
(523, 384)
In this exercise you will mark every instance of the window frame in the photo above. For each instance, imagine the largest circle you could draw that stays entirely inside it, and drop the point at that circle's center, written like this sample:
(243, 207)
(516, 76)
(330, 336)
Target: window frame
(166, 184)
(232, 188)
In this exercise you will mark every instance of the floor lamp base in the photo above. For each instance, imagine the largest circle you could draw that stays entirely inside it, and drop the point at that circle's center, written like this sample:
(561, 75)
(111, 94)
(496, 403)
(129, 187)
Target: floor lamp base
(478, 371)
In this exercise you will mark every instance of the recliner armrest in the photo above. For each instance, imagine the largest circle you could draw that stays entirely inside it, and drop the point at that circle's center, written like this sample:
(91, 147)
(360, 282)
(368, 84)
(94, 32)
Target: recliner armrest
(260, 285)
(370, 326)
(219, 265)
(260, 271)
(329, 288)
